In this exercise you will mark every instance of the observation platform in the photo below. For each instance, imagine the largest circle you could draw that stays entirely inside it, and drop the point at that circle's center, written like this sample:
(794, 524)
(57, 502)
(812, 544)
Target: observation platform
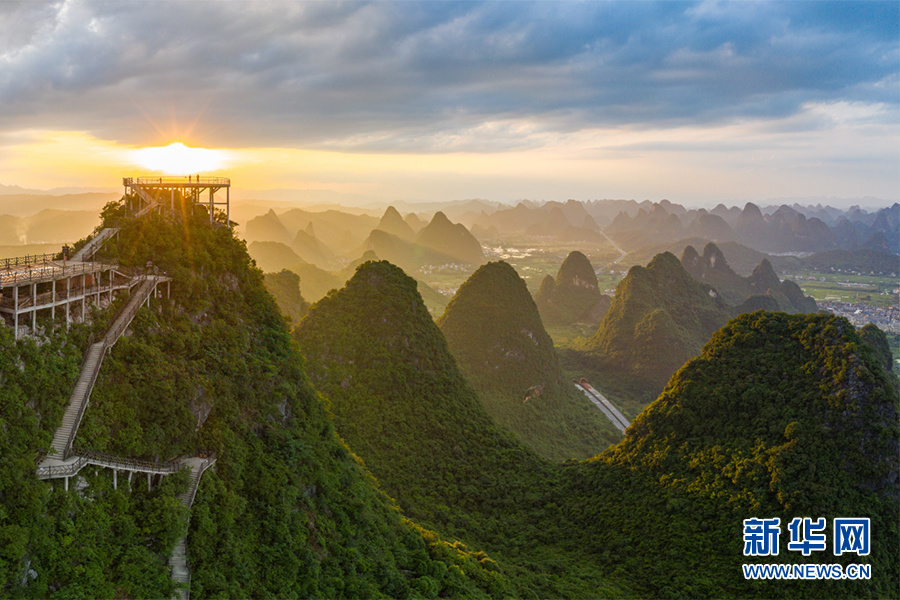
(42, 282)
(155, 191)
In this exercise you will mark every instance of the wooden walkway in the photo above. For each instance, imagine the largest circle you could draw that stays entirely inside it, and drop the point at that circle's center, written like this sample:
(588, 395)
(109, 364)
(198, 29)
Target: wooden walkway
(90, 368)
(87, 251)
(180, 569)
(66, 462)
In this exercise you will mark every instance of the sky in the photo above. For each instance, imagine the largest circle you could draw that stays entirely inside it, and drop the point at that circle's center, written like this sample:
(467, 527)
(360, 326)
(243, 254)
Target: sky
(697, 102)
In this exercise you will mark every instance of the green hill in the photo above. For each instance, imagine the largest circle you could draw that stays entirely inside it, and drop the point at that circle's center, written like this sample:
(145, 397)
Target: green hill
(495, 333)
(285, 288)
(711, 268)
(402, 404)
(780, 416)
(374, 351)
(659, 318)
(790, 298)
(286, 511)
(574, 295)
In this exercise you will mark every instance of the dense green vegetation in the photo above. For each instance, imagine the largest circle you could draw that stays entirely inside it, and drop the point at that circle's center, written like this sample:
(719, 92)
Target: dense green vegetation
(287, 510)
(711, 268)
(573, 296)
(495, 333)
(285, 288)
(659, 318)
(94, 543)
(663, 314)
(402, 404)
(392, 384)
(32, 402)
(780, 416)
(739, 432)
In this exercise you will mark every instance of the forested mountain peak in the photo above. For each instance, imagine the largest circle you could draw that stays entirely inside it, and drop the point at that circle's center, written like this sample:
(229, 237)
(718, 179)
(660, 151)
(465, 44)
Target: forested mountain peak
(494, 330)
(574, 295)
(400, 401)
(576, 271)
(856, 404)
(780, 416)
(764, 277)
(495, 333)
(659, 317)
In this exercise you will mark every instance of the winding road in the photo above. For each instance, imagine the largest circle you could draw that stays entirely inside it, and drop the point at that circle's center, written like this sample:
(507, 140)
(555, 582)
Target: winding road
(612, 413)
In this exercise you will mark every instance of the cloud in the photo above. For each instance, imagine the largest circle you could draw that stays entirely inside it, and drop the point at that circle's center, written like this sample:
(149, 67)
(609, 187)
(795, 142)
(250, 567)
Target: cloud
(430, 76)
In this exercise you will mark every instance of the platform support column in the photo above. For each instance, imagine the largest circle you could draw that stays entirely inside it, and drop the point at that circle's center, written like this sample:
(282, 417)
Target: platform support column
(68, 287)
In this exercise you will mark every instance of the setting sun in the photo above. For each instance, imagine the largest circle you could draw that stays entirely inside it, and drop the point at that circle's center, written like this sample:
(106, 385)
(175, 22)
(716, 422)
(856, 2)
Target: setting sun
(178, 159)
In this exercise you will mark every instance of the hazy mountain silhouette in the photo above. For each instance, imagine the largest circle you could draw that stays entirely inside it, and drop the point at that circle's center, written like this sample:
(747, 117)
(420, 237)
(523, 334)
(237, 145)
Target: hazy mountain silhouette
(450, 239)
(574, 295)
(495, 333)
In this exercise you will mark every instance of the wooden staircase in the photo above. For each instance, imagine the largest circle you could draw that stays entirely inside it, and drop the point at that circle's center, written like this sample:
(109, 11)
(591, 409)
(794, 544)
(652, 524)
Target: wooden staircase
(152, 201)
(90, 368)
(87, 251)
(79, 399)
(180, 571)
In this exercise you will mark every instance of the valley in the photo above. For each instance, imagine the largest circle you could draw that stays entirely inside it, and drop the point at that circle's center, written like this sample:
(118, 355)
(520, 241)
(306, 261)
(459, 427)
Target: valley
(519, 478)
(417, 300)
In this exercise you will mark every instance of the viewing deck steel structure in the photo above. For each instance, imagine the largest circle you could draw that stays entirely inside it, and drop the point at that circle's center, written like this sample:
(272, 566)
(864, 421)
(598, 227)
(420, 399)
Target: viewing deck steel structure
(154, 191)
(30, 272)
(36, 283)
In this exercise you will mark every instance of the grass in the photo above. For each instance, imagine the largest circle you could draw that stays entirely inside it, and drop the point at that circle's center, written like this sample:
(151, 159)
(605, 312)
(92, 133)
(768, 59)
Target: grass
(865, 289)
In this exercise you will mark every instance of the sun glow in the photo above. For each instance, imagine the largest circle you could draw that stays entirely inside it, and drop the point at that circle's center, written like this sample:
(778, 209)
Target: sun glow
(178, 159)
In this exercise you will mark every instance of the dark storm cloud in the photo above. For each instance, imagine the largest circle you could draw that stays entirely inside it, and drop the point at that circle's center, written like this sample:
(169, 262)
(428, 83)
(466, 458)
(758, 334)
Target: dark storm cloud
(411, 76)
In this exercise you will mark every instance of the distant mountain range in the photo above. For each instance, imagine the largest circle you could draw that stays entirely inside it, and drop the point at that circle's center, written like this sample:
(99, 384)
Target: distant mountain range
(330, 235)
(46, 226)
(329, 239)
(712, 268)
(664, 313)
(786, 229)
